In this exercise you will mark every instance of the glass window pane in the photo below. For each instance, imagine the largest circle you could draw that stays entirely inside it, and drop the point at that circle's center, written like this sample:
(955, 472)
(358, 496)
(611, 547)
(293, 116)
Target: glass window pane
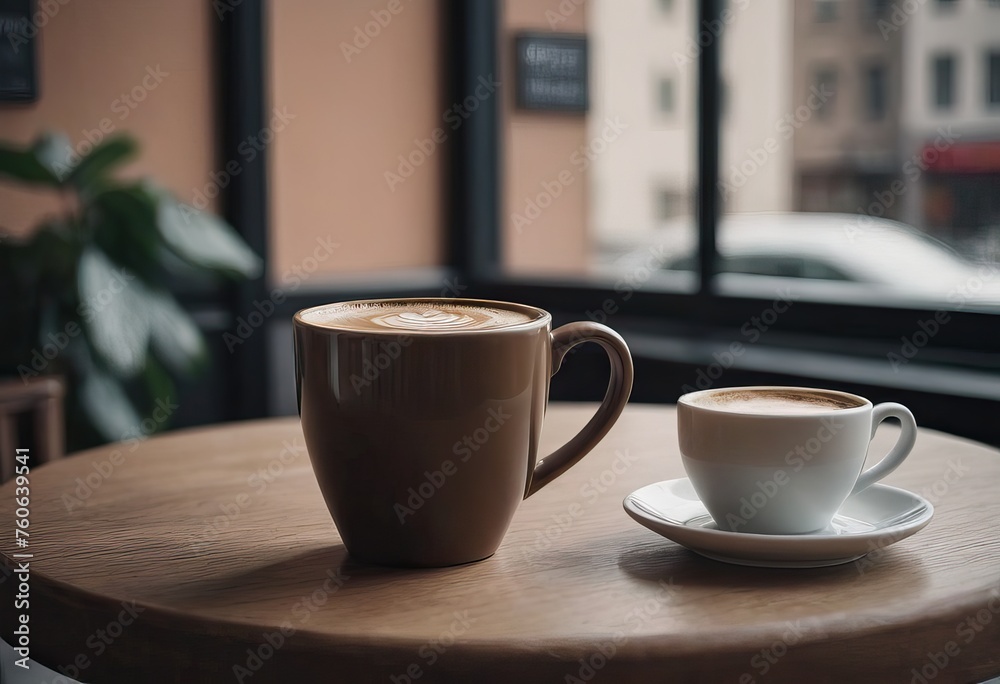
(875, 92)
(855, 166)
(944, 81)
(993, 78)
(607, 193)
(827, 10)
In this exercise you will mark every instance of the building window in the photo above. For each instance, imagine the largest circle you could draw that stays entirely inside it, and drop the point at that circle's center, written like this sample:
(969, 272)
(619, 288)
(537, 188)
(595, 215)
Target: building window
(875, 92)
(827, 10)
(944, 81)
(665, 96)
(877, 9)
(993, 79)
(669, 204)
(826, 84)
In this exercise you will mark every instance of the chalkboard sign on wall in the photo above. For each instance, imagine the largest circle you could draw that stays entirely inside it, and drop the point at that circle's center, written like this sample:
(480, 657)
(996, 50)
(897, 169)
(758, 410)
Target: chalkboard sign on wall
(17, 51)
(551, 72)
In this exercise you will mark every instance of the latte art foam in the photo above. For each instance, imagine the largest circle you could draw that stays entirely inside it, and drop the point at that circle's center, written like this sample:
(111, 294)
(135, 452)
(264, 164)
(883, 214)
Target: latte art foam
(790, 401)
(415, 316)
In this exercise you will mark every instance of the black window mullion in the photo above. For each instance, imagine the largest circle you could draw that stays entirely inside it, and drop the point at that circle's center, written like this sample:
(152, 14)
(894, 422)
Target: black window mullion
(709, 102)
(242, 77)
(473, 184)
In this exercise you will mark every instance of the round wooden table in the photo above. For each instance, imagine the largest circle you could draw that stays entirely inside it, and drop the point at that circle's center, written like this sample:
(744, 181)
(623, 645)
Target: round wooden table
(208, 555)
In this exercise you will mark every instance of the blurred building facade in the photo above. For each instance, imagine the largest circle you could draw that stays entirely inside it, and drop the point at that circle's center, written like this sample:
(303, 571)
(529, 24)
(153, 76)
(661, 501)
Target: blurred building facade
(887, 109)
(951, 122)
(644, 72)
(847, 73)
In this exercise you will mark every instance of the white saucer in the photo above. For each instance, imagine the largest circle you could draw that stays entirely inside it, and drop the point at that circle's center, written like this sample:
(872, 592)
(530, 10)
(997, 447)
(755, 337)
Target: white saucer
(870, 520)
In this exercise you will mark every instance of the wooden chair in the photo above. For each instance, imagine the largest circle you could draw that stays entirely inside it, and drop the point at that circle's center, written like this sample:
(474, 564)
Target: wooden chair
(43, 398)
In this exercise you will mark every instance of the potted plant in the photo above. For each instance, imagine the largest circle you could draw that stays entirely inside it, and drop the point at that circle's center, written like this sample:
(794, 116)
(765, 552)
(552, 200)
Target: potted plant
(86, 295)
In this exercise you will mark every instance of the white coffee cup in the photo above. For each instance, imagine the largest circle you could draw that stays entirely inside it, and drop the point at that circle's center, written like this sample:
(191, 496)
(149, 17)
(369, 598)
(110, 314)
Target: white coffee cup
(782, 460)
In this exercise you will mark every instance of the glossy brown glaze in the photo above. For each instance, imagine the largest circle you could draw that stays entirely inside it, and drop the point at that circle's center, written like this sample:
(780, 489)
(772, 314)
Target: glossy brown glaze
(424, 442)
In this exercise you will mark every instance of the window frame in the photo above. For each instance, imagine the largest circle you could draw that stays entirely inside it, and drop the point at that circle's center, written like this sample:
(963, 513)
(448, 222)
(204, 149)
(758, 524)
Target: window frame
(856, 333)
(992, 73)
(827, 11)
(952, 60)
(827, 108)
(868, 71)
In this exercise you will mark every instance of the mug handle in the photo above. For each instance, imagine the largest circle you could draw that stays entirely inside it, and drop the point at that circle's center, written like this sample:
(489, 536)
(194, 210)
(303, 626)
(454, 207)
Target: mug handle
(895, 457)
(563, 339)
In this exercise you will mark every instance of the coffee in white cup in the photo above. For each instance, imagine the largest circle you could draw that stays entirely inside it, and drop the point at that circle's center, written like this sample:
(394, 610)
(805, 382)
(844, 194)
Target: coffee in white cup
(782, 460)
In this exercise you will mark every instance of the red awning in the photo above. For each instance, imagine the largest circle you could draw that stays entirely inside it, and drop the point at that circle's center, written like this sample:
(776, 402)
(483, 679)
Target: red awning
(968, 157)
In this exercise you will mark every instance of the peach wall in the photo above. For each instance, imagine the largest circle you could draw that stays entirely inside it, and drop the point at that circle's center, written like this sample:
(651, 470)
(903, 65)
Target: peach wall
(92, 53)
(354, 115)
(538, 148)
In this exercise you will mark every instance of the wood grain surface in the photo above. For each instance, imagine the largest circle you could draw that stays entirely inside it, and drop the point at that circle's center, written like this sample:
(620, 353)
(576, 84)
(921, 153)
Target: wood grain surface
(208, 556)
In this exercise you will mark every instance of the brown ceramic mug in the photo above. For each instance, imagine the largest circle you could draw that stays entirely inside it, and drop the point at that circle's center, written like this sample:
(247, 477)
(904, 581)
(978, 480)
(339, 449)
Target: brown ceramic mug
(422, 419)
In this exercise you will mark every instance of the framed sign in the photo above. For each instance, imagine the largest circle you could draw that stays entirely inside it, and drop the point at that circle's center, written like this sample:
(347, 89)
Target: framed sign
(18, 31)
(551, 72)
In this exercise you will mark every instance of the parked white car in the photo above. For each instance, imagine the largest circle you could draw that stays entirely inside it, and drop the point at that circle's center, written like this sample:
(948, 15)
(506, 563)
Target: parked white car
(831, 255)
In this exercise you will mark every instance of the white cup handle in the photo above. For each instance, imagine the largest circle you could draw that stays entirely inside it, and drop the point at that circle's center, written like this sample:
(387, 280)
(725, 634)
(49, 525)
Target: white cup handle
(898, 454)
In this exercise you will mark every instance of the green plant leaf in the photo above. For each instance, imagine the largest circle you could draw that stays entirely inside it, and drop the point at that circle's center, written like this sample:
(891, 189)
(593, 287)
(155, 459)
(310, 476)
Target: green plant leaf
(123, 220)
(176, 340)
(107, 405)
(204, 240)
(55, 153)
(37, 164)
(113, 306)
(110, 153)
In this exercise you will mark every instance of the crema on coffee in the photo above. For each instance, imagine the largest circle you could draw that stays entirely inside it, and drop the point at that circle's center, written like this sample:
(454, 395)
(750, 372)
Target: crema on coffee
(779, 402)
(416, 315)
